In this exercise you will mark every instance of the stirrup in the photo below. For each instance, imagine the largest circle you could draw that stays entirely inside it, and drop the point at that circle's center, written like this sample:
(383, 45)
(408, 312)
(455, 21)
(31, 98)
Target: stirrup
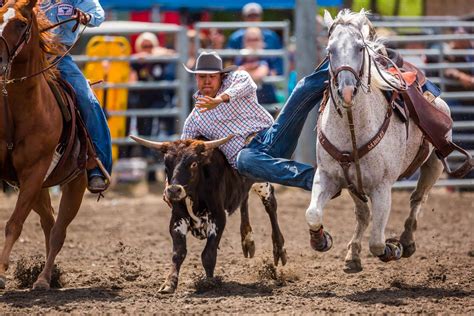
(464, 169)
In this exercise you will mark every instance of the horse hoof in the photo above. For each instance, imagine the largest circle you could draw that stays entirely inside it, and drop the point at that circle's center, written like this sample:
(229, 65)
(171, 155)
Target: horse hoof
(3, 282)
(353, 266)
(280, 255)
(320, 240)
(41, 285)
(248, 247)
(409, 250)
(167, 289)
(393, 250)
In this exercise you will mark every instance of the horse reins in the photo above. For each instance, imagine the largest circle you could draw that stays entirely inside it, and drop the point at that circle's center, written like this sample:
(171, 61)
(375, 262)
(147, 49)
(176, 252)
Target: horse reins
(25, 38)
(53, 64)
(344, 158)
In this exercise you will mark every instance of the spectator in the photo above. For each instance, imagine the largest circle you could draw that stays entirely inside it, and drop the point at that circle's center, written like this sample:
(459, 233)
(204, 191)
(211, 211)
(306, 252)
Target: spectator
(465, 83)
(464, 77)
(252, 12)
(192, 49)
(257, 67)
(147, 45)
(216, 39)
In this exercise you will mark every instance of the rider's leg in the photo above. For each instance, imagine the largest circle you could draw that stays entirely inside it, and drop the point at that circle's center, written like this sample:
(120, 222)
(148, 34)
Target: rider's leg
(254, 163)
(282, 137)
(91, 113)
(266, 157)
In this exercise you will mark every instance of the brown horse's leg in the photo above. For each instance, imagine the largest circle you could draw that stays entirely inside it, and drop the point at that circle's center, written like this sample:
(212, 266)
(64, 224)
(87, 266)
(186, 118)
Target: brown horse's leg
(31, 180)
(45, 210)
(70, 202)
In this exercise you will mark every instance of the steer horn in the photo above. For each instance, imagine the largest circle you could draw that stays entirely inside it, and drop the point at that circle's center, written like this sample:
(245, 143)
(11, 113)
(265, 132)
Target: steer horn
(216, 143)
(148, 143)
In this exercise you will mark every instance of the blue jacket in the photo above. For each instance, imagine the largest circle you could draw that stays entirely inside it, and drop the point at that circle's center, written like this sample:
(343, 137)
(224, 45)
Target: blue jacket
(271, 39)
(59, 10)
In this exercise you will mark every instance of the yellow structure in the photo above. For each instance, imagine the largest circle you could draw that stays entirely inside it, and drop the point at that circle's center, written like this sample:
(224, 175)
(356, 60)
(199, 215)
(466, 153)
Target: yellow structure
(391, 7)
(111, 72)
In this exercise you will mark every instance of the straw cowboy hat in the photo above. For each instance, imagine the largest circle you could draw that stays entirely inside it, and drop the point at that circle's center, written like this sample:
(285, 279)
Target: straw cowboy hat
(209, 63)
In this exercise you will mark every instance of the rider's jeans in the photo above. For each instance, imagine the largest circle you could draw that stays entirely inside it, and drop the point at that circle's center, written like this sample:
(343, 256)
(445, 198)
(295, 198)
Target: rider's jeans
(91, 113)
(267, 156)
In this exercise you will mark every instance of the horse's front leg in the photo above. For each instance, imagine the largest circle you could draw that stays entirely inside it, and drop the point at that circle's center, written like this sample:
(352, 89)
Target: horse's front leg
(323, 190)
(362, 212)
(31, 180)
(385, 250)
(71, 201)
(178, 230)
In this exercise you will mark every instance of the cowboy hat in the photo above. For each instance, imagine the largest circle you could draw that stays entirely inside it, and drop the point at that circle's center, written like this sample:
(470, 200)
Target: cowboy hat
(209, 63)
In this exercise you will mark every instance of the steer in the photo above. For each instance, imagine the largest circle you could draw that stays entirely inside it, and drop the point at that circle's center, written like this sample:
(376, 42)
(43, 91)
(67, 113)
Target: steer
(202, 189)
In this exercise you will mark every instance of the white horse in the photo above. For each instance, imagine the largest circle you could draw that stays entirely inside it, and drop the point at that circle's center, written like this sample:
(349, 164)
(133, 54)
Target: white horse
(387, 149)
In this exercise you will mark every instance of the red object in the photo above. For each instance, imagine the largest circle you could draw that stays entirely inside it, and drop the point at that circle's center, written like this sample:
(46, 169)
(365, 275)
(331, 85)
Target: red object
(408, 76)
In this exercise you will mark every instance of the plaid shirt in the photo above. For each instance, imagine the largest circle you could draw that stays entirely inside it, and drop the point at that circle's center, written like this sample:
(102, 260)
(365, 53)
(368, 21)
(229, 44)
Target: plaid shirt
(241, 116)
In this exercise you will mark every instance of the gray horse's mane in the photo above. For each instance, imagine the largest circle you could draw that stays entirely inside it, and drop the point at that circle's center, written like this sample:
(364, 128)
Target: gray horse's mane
(375, 44)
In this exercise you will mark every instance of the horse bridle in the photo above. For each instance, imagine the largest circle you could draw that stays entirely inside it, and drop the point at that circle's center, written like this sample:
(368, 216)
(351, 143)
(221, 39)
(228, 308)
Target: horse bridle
(359, 190)
(359, 76)
(11, 54)
(24, 40)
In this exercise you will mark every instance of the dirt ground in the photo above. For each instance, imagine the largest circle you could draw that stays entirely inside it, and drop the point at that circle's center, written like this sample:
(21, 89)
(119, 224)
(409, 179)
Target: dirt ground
(118, 251)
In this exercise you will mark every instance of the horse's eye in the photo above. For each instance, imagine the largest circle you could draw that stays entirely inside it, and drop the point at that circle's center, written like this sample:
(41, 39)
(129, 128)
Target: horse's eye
(194, 165)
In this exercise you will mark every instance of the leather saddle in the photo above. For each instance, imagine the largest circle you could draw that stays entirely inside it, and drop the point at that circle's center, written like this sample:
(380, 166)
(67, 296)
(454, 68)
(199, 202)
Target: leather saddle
(434, 123)
(74, 150)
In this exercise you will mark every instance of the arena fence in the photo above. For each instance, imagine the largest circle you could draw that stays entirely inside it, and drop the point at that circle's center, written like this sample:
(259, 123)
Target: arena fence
(463, 130)
(180, 84)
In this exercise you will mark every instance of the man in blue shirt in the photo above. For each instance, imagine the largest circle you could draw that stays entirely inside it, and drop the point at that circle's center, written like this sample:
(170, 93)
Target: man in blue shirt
(252, 12)
(91, 14)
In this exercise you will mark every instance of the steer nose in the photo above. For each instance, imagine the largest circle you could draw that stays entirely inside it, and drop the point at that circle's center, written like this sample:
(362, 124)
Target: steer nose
(175, 192)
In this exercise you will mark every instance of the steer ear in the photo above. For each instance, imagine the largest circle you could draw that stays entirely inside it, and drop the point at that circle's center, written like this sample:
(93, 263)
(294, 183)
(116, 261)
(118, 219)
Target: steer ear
(216, 143)
(161, 146)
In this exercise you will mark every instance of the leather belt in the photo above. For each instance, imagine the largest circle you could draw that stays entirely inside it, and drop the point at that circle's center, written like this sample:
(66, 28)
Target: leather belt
(249, 138)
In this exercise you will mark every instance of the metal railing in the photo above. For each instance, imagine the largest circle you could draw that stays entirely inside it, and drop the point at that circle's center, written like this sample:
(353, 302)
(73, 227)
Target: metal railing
(180, 84)
(463, 131)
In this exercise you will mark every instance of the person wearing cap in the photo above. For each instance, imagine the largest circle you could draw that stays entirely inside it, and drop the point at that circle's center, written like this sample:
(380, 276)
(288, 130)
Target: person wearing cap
(226, 104)
(252, 12)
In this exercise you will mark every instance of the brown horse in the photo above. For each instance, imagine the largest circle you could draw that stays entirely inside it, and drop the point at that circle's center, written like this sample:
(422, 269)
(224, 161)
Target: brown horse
(30, 131)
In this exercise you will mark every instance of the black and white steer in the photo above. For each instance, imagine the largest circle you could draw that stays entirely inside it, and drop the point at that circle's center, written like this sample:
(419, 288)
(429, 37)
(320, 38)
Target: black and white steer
(202, 189)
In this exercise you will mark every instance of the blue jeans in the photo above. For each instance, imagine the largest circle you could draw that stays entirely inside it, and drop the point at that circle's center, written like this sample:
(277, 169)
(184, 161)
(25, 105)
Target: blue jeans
(267, 156)
(91, 113)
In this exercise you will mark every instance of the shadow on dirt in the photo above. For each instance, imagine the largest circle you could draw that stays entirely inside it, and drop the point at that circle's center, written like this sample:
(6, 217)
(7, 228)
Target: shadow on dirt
(398, 292)
(231, 288)
(56, 298)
